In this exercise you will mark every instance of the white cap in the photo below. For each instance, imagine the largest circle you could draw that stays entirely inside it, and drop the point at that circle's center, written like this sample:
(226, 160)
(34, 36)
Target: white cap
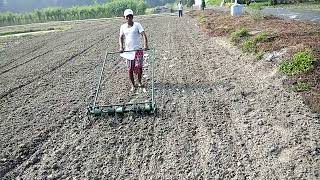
(127, 12)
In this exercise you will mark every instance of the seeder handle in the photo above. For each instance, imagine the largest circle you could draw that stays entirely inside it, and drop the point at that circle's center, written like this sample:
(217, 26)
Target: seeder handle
(128, 51)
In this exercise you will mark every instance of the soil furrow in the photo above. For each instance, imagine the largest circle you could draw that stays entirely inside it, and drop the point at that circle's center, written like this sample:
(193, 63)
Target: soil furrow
(14, 67)
(54, 37)
(221, 114)
(74, 56)
(10, 91)
(32, 51)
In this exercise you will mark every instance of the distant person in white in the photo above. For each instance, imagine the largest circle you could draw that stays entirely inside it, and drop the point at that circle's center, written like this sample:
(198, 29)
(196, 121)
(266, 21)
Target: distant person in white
(180, 8)
(130, 33)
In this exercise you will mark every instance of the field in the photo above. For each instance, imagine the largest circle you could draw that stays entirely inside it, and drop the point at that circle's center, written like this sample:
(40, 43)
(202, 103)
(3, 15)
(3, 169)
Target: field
(221, 115)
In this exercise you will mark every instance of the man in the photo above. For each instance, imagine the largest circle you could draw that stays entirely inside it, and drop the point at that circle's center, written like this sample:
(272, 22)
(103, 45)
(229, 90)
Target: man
(180, 8)
(203, 5)
(130, 34)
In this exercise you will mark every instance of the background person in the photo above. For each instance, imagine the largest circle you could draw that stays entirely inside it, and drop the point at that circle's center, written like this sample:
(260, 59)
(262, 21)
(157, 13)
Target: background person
(203, 5)
(180, 8)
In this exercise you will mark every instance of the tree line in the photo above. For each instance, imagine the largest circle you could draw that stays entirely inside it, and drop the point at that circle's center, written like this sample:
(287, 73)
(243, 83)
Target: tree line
(111, 9)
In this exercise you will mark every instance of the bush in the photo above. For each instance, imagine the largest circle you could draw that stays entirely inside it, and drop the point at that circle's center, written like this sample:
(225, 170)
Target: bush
(301, 86)
(235, 36)
(214, 2)
(259, 55)
(301, 62)
(202, 20)
(272, 2)
(249, 46)
(261, 37)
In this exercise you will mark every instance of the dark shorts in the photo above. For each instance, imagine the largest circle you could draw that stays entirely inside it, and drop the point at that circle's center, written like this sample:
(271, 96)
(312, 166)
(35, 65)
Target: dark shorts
(137, 63)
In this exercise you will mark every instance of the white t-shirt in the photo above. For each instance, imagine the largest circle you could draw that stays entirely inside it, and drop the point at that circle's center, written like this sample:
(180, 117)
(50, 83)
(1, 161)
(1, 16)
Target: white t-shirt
(180, 6)
(132, 35)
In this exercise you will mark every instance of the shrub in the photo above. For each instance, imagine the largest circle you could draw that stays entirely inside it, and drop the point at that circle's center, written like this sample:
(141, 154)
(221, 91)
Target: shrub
(249, 46)
(203, 19)
(243, 32)
(214, 2)
(261, 37)
(256, 15)
(301, 62)
(259, 55)
(301, 86)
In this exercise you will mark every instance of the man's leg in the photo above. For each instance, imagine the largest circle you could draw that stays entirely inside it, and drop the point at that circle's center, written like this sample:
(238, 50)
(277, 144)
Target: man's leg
(139, 73)
(131, 76)
(138, 66)
(130, 72)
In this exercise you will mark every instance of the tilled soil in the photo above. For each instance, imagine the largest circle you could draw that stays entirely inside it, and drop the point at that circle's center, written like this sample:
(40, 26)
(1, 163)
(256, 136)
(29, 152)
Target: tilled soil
(285, 38)
(221, 114)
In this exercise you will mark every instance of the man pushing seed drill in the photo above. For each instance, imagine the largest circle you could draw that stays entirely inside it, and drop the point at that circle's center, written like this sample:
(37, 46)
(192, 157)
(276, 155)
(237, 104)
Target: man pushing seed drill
(133, 53)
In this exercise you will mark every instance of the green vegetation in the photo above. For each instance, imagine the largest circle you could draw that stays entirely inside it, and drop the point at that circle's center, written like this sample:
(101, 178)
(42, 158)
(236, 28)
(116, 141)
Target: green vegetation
(248, 46)
(261, 37)
(258, 5)
(149, 11)
(256, 15)
(189, 3)
(301, 87)
(301, 62)
(315, 5)
(237, 35)
(259, 55)
(214, 2)
(203, 19)
(248, 43)
(114, 8)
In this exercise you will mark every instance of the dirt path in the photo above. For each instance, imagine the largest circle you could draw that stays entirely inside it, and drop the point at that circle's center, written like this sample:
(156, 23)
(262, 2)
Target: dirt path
(221, 115)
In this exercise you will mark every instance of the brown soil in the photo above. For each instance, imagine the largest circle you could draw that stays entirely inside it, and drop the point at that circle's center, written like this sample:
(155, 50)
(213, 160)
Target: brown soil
(221, 115)
(290, 34)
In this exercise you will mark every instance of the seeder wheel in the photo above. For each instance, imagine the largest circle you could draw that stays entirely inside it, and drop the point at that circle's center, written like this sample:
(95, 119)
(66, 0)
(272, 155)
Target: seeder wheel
(97, 111)
(147, 107)
(120, 110)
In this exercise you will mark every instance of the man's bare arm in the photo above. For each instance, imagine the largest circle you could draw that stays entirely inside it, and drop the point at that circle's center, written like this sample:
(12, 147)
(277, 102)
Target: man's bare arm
(121, 39)
(145, 40)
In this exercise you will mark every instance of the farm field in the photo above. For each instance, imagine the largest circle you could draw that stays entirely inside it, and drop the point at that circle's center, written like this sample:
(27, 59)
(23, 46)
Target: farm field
(222, 115)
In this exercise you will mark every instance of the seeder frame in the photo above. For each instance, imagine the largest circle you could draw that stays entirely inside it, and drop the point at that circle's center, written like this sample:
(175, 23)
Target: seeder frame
(148, 107)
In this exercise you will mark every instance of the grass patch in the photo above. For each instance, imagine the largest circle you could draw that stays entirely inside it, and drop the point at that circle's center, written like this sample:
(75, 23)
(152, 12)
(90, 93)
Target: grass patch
(259, 55)
(249, 46)
(202, 19)
(214, 2)
(261, 37)
(301, 62)
(301, 87)
(258, 5)
(237, 35)
(149, 11)
(315, 6)
(256, 15)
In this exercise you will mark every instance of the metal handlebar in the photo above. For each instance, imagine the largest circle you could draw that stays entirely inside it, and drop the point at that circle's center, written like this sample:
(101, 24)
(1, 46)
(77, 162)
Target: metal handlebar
(128, 51)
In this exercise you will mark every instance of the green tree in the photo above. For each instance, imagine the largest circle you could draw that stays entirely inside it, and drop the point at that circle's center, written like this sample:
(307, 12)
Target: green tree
(190, 3)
